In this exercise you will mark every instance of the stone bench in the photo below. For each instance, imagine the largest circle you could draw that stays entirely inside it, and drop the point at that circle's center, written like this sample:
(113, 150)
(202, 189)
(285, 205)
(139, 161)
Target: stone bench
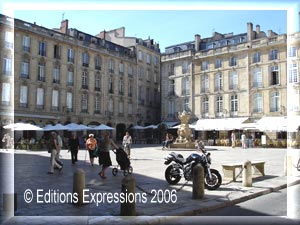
(229, 169)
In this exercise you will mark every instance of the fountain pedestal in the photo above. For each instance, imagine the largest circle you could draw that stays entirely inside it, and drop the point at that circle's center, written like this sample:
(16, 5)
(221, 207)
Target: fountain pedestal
(184, 139)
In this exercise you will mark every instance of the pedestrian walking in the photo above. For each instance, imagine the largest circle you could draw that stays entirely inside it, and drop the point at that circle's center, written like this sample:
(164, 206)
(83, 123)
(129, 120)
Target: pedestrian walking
(91, 144)
(167, 141)
(127, 141)
(199, 146)
(244, 141)
(73, 147)
(6, 140)
(233, 138)
(60, 145)
(54, 150)
(104, 157)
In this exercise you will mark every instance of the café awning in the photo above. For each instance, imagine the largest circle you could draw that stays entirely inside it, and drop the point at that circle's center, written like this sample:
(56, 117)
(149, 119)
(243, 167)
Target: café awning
(169, 124)
(77, 127)
(273, 123)
(103, 127)
(22, 126)
(220, 124)
(293, 123)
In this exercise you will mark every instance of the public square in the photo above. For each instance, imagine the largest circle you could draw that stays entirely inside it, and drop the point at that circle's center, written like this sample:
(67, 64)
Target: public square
(31, 167)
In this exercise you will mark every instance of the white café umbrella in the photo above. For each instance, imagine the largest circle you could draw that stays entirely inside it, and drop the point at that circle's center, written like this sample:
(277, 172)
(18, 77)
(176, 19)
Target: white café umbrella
(55, 127)
(75, 126)
(22, 126)
(103, 127)
(137, 127)
(151, 127)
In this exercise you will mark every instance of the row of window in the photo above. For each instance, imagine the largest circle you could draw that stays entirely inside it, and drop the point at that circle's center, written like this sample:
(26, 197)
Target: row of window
(70, 78)
(222, 43)
(69, 97)
(147, 57)
(257, 81)
(234, 104)
(256, 58)
(7, 70)
(57, 51)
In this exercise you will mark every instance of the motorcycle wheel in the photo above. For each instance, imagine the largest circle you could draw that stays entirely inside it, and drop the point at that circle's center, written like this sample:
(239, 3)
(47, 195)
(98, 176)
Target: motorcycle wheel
(215, 182)
(172, 175)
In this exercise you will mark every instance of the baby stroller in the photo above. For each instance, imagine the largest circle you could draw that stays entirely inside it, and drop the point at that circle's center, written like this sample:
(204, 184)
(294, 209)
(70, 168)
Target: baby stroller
(123, 162)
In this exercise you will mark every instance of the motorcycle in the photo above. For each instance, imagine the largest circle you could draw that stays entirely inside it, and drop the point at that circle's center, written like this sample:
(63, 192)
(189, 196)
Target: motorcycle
(181, 167)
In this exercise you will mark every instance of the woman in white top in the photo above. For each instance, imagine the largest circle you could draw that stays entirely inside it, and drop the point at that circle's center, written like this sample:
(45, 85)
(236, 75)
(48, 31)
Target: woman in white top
(127, 141)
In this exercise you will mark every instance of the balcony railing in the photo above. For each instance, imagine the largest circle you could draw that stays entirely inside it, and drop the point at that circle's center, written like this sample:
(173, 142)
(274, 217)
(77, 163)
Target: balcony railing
(25, 75)
(39, 107)
(41, 78)
(6, 103)
(204, 89)
(71, 59)
(84, 111)
(257, 84)
(55, 108)
(56, 81)
(42, 53)
(26, 49)
(23, 105)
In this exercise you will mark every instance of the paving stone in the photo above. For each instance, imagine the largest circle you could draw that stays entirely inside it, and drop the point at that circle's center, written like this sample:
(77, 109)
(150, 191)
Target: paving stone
(148, 171)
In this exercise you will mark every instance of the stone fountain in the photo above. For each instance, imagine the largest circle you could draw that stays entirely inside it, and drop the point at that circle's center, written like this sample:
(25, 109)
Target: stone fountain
(184, 139)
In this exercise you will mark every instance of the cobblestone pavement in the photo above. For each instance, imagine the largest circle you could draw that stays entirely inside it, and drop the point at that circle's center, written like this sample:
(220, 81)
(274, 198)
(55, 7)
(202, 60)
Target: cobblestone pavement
(153, 202)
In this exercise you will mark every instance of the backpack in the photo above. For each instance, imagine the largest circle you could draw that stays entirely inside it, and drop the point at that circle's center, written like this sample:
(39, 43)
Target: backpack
(51, 145)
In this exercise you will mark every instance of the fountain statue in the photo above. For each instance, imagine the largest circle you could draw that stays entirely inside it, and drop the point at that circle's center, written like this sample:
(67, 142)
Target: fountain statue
(184, 139)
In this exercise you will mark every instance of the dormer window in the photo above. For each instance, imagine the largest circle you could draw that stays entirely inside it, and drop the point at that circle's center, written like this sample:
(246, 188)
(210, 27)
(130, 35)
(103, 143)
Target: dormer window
(94, 40)
(81, 37)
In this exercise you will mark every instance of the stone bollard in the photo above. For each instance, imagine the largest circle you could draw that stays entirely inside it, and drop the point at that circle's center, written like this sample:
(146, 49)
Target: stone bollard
(198, 182)
(128, 189)
(247, 174)
(79, 185)
(10, 203)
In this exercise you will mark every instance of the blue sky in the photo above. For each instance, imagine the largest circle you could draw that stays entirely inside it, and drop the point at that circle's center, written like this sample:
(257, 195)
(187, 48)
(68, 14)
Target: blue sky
(167, 22)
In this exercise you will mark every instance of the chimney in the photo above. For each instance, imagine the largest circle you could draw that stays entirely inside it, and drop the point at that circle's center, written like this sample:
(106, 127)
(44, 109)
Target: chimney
(197, 42)
(249, 31)
(270, 33)
(257, 29)
(64, 26)
(102, 34)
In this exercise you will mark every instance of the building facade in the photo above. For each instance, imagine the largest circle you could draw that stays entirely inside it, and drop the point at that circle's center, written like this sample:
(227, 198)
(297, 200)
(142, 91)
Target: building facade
(147, 85)
(227, 76)
(65, 75)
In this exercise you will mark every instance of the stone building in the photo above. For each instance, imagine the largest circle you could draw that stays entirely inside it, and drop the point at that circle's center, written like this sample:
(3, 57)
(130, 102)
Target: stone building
(238, 76)
(65, 75)
(147, 85)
